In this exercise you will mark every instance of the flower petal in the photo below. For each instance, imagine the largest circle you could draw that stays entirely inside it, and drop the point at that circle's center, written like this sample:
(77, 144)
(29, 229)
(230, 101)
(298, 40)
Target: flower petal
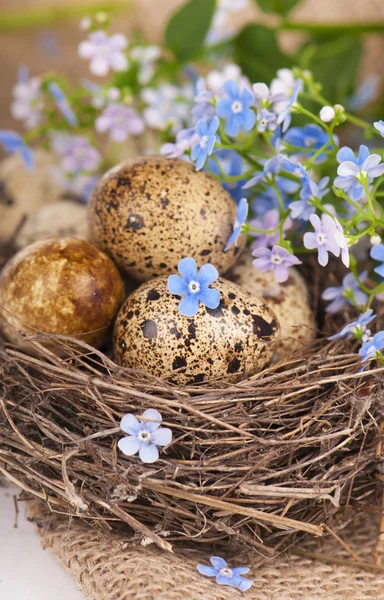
(152, 419)
(240, 570)
(129, 445)
(177, 285)
(189, 305)
(208, 274)
(209, 297)
(218, 562)
(129, 424)
(162, 436)
(148, 453)
(224, 580)
(345, 154)
(188, 269)
(347, 169)
(205, 570)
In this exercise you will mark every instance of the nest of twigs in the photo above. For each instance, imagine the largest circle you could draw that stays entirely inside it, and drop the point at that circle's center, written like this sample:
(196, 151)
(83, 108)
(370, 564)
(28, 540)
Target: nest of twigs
(253, 463)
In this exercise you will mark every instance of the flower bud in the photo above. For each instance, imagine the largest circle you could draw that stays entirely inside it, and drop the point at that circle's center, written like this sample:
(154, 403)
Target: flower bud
(327, 114)
(375, 239)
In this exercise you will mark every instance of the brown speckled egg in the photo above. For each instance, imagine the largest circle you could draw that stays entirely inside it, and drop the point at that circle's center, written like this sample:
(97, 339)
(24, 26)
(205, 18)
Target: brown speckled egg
(60, 286)
(288, 300)
(23, 192)
(63, 219)
(237, 338)
(150, 213)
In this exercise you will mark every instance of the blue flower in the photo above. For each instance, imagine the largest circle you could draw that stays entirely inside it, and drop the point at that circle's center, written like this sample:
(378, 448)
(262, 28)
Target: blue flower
(185, 139)
(144, 435)
(352, 169)
(348, 292)
(302, 209)
(231, 164)
(272, 166)
(356, 327)
(226, 576)
(241, 217)
(13, 142)
(194, 286)
(285, 116)
(235, 107)
(266, 121)
(372, 348)
(379, 125)
(62, 103)
(327, 237)
(207, 139)
(310, 138)
(377, 253)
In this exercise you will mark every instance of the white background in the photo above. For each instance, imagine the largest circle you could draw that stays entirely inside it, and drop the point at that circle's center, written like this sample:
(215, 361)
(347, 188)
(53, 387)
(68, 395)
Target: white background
(27, 572)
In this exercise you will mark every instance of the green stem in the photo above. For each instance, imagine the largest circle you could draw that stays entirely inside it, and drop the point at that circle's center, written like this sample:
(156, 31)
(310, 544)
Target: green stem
(333, 29)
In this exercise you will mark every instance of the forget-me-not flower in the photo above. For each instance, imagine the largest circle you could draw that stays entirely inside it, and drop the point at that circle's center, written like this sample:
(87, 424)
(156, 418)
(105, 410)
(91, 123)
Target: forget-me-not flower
(271, 167)
(207, 139)
(225, 575)
(309, 138)
(349, 292)
(235, 107)
(167, 106)
(185, 139)
(144, 435)
(266, 121)
(27, 101)
(120, 121)
(62, 103)
(76, 153)
(264, 97)
(241, 217)
(372, 348)
(285, 117)
(379, 125)
(277, 260)
(105, 52)
(377, 253)
(352, 170)
(357, 327)
(13, 142)
(327, 237)
(270, 220)
(194, 287)
(232, 164)
(302, 209)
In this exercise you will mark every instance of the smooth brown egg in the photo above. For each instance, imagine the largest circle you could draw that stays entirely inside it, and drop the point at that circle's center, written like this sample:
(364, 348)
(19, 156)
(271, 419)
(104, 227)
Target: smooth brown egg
(238, 338)
(23, 192)
(61, 286)
(150, 213)
(288, 300)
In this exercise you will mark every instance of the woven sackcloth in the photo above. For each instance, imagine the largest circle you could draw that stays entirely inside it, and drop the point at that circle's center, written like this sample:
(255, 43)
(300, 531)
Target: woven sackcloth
(109, 568)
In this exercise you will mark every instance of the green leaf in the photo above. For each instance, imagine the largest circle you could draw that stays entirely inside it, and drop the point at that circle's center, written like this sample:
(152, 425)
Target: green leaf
(188, 27)
(258, 54)
(280, 7)
(334, 63)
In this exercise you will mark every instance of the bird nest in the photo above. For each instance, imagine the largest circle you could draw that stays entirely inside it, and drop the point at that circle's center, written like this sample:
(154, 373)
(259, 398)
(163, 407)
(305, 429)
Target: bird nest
(255, 463)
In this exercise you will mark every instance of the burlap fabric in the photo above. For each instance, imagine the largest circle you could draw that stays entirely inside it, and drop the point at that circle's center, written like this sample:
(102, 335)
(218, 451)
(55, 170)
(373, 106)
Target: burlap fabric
(107, 568)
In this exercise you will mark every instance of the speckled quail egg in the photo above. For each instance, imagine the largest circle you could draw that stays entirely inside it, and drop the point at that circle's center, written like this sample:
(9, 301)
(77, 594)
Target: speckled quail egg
(238, 337)
(23, 192)
(150, 213)
(60, 286)
(288, 300)
(64, 219)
